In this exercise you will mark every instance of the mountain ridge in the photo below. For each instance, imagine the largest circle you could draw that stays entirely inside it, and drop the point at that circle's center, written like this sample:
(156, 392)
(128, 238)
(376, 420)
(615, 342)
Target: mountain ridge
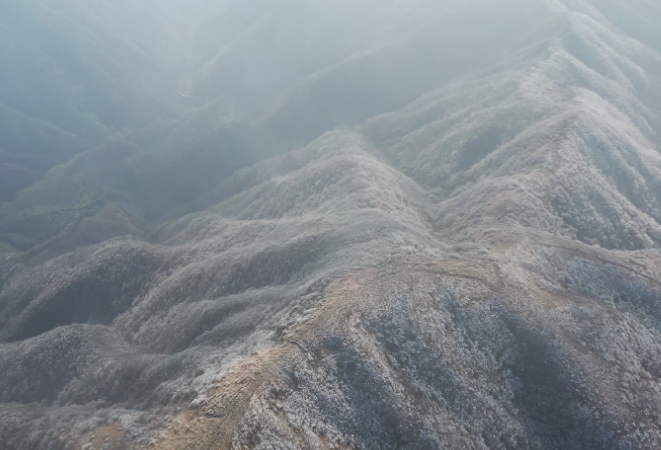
(475, 266)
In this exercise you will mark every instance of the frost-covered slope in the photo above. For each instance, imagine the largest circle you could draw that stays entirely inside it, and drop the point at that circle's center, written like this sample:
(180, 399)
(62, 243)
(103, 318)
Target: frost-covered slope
(474, 268)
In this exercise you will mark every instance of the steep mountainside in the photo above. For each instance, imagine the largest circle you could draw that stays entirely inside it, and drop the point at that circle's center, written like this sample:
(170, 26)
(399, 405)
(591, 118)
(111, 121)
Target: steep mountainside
(363, 225)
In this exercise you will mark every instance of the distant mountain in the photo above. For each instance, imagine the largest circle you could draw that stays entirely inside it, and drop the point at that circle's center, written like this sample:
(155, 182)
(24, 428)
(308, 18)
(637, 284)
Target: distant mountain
(330, 225)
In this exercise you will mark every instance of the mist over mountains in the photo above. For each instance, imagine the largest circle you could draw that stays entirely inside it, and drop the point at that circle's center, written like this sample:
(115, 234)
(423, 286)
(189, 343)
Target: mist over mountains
(330, 225)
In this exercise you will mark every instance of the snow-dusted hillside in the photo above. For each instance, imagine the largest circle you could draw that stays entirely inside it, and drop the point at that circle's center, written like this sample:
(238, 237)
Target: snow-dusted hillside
(373, 225)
